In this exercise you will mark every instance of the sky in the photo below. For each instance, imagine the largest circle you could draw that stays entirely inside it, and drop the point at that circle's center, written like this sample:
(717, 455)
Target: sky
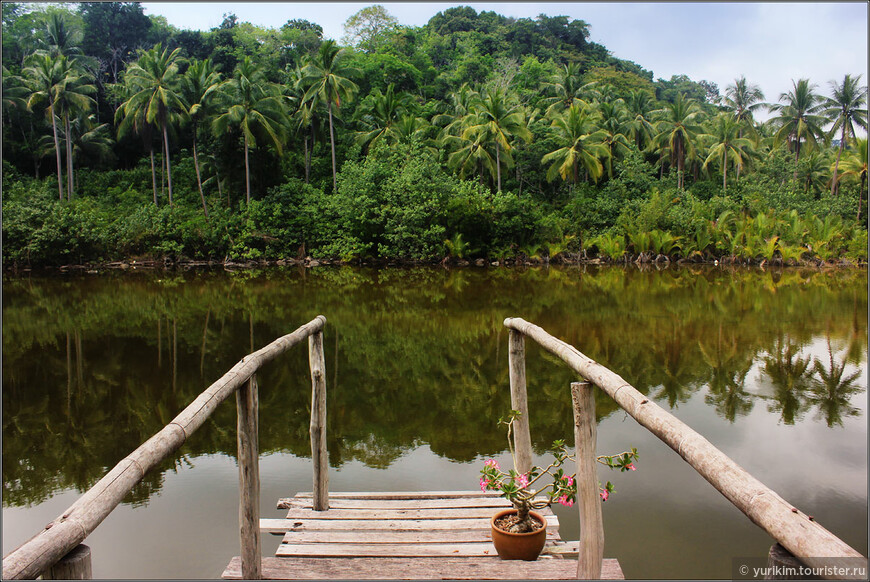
(771, 44)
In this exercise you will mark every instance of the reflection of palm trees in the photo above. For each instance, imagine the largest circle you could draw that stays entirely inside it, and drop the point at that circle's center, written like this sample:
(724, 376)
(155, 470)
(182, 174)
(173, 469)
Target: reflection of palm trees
(728, 369)
(832, 392)
(789, 374)
(673, 362)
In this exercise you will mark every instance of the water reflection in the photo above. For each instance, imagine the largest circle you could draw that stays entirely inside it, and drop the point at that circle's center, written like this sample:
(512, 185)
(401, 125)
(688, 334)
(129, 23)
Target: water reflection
(93, 366)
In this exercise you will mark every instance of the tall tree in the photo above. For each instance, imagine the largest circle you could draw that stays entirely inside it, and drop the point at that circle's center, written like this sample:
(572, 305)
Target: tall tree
(639, 104)
(201, 82)
(45, 77)
(381, 113)
(743, 99)
(73, 100)
(327, 77)
(565, 88)
(154, 81)
(728, 147)
(846, 109)
(369, 28)
(255, 107)
(855, 164)
(677, 130)
(132, 119)
(612, 120)
(112, 33)
(798, 118)
(576, 129)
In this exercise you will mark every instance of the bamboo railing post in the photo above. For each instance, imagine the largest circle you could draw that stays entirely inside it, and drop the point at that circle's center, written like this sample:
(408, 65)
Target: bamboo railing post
(316, 362)
(76, 565)
(247, 404)
(519, 401)
(588, 500)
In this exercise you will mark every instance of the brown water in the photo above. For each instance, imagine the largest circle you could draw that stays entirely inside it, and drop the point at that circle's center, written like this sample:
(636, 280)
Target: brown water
(417, 378)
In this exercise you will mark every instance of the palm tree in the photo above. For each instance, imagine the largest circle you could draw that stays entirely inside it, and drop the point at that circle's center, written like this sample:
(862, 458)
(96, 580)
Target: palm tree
(728, 146)
(855, 164)
(71, 101)
(566, 88)
(743, 99)
(304, 119)
(201, 82)
(255, 107)
(380, 117)
(638, 106)
(45, 77)
(582, 138)
(612, 119)
(134, 121)
(327, 78)
(154, 81)
(678, 130)
(468, 154)
(798, 119)
(499, 118)
(844, 108)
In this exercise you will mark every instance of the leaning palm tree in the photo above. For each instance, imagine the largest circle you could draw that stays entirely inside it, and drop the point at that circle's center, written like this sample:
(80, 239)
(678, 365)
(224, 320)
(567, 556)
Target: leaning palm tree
(727, 146)
(327, 78)
(499, 118)
(154, 82)
(798, 120)
(255, 107)
(201, 82)
(576, 129)
(844, 108)
(677, 130)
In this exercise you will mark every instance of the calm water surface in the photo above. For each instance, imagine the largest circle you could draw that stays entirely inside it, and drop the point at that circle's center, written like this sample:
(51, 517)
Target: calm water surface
(771, 367)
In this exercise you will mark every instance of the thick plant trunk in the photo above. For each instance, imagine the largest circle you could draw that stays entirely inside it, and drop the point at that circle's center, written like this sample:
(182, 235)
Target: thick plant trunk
(525, 521)
(57, 151)
(168, 166)
(332, 147)
(199, 176)
(247, 173)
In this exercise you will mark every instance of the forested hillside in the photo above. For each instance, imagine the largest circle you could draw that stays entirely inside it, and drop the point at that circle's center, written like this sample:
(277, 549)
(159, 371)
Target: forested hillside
(474, 136)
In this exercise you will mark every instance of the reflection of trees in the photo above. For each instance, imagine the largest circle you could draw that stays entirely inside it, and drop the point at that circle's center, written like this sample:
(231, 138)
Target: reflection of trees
(790, 376)
(94, 366)
(831, 393)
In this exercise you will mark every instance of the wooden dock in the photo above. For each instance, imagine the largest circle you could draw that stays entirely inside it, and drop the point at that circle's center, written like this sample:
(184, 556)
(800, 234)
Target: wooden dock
(405, 535)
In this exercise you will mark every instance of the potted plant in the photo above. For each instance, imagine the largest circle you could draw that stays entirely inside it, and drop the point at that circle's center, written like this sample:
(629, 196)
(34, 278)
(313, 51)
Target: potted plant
(519, 533)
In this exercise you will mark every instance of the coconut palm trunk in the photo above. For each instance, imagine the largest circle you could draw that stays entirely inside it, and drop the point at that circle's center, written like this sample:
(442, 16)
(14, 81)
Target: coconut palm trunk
(57, 151)
(153, 175)
(834, 185)
(332, 147)
(725, 172)
(498, 165)
(198, 175)
(247, 172)
(168, 166)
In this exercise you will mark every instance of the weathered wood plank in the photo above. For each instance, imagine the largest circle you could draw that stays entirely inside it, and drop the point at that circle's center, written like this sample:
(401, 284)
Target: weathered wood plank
(300, 525)
(410, 550)
(379, 536)
(390, 514)
(247, 407)
(793, 529)
(433, 503)
(402, 494)
(76, 565)
(588, 498)
(519, 401)
(487, 568)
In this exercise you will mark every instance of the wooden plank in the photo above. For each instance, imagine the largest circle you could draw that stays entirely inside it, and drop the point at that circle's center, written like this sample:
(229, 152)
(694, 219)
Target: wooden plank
(247, 407)
(410, 550)
(519, 401)
(487, 568)
(402, 494)
(284, 525)
(379, 536)
(588, 498)
(76, 565)
(392, 514)
(317, 429)
(432, 503)
(794, 530)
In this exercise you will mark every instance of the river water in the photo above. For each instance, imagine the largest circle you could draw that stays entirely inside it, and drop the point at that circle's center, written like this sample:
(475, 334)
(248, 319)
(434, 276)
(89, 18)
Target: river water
(770, 366)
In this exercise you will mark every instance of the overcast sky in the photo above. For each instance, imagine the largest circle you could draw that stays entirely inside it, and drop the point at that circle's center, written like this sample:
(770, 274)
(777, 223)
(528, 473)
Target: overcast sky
(769, 43)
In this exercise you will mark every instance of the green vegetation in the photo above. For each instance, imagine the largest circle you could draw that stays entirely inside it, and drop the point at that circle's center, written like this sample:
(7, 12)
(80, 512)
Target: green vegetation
(515, 137)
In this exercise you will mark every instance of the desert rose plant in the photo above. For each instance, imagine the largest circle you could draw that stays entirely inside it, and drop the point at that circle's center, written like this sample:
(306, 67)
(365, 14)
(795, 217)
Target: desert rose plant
(528, 491)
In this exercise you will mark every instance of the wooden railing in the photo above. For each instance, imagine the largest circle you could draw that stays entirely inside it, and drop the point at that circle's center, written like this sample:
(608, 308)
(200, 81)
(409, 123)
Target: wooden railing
(793, 529)
(65, 533)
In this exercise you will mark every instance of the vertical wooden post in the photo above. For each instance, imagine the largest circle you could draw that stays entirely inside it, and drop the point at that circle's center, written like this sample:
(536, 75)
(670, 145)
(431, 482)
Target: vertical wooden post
(520, 400)
(247, 405)
(588, 498)
(316, 363)
(76, 565)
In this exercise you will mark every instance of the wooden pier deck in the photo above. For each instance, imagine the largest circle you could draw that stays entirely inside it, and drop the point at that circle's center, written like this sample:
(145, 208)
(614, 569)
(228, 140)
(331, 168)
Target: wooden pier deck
(405, 535)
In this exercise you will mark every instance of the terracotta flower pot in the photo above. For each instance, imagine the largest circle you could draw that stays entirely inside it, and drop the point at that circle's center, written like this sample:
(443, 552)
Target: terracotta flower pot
(518, 546)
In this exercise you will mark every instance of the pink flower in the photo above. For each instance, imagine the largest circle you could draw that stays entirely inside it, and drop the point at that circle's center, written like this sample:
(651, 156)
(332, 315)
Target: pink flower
(565, 501)
(604, 495)
(569, 480)
(523, 480)
(631, 467)
(483, 483)
(492, 463)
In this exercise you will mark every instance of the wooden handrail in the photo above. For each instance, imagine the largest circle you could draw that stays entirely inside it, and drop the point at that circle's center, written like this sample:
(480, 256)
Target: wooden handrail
(68, 530)
(793, 529)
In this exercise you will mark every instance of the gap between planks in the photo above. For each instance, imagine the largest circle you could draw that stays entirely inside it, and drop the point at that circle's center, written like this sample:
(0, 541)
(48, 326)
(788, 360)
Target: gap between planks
(281, 526)
(410, 550)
